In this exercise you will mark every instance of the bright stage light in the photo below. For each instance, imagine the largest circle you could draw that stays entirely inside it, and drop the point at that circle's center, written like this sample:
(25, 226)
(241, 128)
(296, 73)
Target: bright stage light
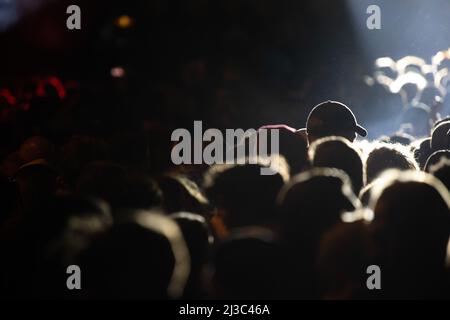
(117, 72)
(385, 62)
(409, 77)
(124, 22)
(410, 61)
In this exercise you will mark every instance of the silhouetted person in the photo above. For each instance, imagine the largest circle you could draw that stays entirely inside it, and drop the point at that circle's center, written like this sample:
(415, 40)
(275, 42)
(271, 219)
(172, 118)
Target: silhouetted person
(248, 265)
(339, 153)
(345, 252)
(439, 137)
(179, 193)
(398, 138)
(433, 98)
(242, 195)
(418, 118)
(142, 258)
(422, 152)
(435, 158)
(310, 204)
(46, 243)
(292, 146)
(385, 156)
(441, 170)
(122, 190)
(411, 228)
(37, 148)
(332, 118)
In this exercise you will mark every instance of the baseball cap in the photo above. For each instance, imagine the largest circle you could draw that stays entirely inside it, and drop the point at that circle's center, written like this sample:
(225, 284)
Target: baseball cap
(331, 118)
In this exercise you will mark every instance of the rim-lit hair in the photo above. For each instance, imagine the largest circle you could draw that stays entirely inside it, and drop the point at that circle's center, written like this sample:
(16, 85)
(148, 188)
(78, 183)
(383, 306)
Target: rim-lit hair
(393, 176)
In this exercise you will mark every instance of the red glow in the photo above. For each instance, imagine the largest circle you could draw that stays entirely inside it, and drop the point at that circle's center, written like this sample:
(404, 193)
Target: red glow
(55, 82)
(5, 93)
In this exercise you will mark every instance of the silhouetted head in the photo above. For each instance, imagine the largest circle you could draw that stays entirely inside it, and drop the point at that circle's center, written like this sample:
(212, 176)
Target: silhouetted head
(313, 201)
(438, 122)
(435, 158)
(72, 213)
(332, 118)
(247, 265)
(411, 219)
(243, 195)
(418, 118)
(422, 151)
(399, 138)
(385, 156)
(182, 194)
(439, 137)
(409, 92)
(339, 153)
(345, 252)
(292, 145)
(35, 148)
(441, 170)
(431, 96)
(50, 241)
(143, 258)
(112, 183)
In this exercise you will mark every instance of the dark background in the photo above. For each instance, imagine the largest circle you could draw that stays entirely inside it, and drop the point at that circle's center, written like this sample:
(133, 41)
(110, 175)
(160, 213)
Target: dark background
(230, 63)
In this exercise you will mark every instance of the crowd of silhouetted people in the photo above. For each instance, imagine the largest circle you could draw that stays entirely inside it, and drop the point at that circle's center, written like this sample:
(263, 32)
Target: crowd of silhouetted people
(140, 227)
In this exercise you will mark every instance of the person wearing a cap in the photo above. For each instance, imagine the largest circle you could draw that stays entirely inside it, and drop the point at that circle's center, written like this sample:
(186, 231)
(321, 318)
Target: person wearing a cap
(332, 118)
